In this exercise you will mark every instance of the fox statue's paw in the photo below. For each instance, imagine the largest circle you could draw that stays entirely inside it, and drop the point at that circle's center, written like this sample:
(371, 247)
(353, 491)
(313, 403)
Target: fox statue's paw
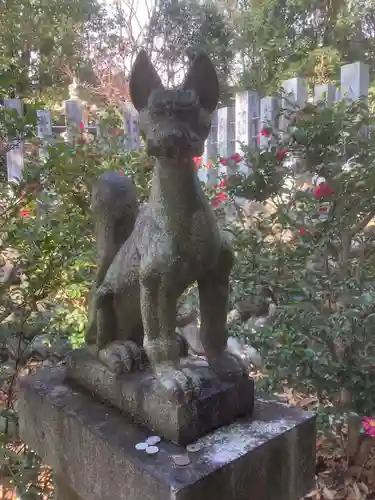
(228, 365)
(123, 357)
(179, 385)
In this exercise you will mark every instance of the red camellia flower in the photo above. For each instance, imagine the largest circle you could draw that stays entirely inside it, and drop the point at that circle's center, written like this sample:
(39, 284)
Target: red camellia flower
(115, 131)
(222, 184)
(236, 157)
(323, 190)
(368, 425)
(265, 132)
(24, 213)
(219, 198)
(280, 155)
(198, 160)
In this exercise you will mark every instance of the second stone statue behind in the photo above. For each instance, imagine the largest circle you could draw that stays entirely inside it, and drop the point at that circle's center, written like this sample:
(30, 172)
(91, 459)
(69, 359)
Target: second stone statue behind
(148, 257)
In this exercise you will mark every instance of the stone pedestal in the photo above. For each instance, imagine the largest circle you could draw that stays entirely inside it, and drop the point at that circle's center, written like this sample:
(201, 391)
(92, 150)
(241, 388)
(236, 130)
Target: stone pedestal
(63, 491)
(269, 456)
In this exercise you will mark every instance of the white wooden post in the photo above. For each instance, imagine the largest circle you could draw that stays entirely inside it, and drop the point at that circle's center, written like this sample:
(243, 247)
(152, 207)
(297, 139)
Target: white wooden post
(231, 135)
(15, 156)
(325, 92)
(202, 175)
(74, 113)
(208, 175)
(225, 134)
(74, 117)
(247, 119)
(295, 96)
(225, 139)
(355, 81)
(131, 128)
(210, 146)
(44, 130)
(212, 177)
(269, 109)
(247, 124)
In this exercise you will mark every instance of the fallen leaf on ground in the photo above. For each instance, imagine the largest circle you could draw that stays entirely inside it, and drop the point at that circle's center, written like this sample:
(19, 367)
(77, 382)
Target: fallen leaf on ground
(328, 494)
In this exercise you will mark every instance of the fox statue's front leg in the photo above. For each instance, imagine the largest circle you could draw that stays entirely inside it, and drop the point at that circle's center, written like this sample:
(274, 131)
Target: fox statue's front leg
(119, 324)
(127, 310)
(159, 292)
(213, 298)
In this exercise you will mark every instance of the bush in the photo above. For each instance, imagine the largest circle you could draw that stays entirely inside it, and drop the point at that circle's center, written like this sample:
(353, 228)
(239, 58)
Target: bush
(47, 235)
(314, 247)
(47, 224)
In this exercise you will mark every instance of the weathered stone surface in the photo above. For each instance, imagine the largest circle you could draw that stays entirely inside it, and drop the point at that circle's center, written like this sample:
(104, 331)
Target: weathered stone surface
(92, 446)
(63, 491)
(41, 347)
(137, 395)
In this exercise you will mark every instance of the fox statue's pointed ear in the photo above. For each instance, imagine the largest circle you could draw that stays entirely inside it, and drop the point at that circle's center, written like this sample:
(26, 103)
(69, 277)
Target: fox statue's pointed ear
(202, 78)
(143, 80)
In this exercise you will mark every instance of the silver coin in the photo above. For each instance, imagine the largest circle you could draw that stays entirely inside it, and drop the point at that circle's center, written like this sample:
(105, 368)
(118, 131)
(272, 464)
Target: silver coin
(181, 460)
(193, 448)
(141, 446)
(151, 450)
(152, 440)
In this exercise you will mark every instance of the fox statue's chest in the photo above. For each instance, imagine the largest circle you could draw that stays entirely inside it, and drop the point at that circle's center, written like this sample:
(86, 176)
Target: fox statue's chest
(188, 246)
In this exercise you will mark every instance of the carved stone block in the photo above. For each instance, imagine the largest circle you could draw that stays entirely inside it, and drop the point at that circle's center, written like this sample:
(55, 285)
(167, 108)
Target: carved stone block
(137, 395)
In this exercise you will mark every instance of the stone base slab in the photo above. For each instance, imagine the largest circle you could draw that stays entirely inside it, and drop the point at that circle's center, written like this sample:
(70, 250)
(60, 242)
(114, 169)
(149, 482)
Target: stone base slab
(270, 456)
(64, 491)
(136, 395)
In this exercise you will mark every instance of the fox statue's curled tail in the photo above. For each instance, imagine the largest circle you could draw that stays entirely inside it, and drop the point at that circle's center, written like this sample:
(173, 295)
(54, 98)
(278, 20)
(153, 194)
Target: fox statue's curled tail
(115, 208)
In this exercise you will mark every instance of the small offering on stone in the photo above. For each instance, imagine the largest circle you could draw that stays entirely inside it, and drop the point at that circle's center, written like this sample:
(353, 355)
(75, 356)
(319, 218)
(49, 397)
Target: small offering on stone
(181, 460)
(151, 450)
(141, 446)
(193, 448)
(152, 440)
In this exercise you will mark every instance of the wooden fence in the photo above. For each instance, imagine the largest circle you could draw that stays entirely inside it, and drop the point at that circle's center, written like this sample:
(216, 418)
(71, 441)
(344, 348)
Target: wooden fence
(231, 126)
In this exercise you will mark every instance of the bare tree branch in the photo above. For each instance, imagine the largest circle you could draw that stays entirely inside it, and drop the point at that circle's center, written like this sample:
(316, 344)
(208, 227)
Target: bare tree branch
(362, 223)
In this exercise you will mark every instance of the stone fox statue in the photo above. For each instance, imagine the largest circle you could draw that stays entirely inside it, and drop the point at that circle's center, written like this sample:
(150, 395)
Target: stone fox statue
(174, 240)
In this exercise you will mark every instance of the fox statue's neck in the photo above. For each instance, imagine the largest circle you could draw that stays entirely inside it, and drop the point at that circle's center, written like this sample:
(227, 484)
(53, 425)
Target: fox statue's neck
(176, 188)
